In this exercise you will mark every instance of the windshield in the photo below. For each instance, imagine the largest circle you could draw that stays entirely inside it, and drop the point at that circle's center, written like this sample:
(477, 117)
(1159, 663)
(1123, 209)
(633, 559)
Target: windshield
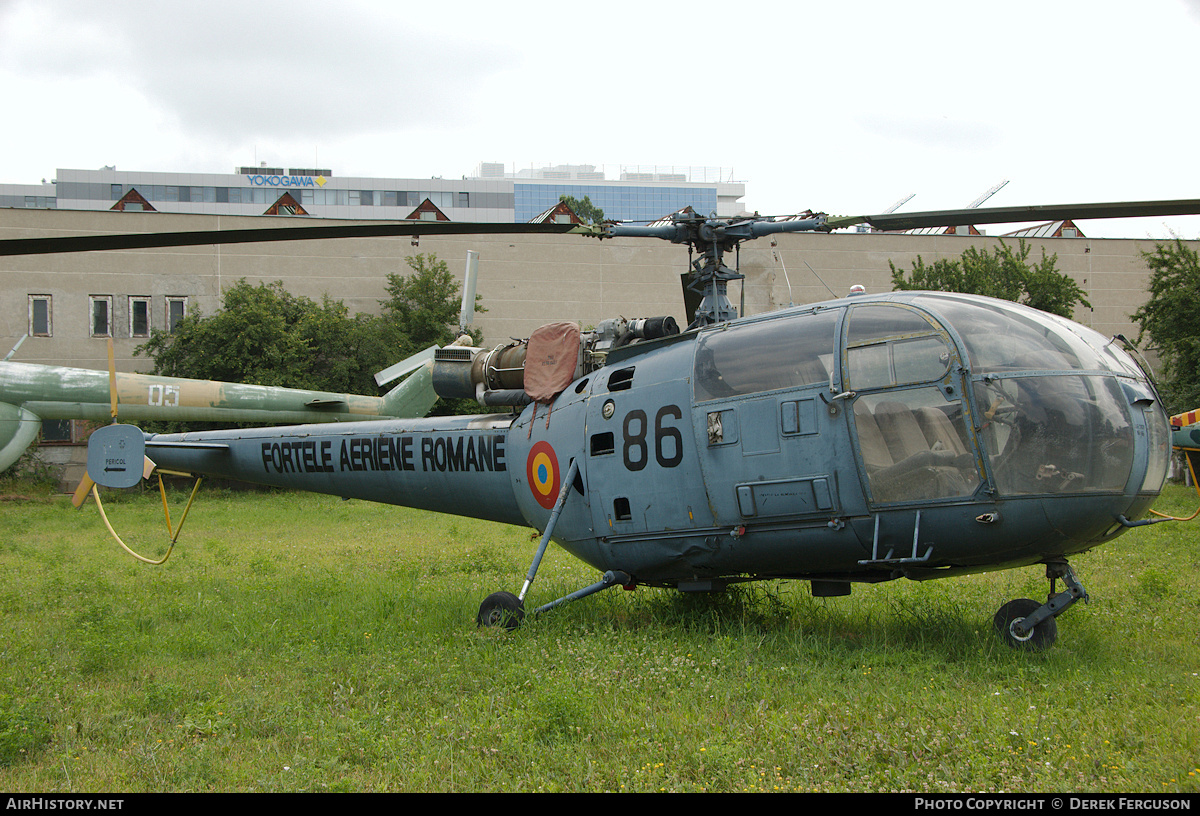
(1002, 336)
(1056, 434)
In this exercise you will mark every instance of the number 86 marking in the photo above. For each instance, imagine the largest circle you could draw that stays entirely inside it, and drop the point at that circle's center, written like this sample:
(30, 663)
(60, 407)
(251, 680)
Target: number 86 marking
(635, 452)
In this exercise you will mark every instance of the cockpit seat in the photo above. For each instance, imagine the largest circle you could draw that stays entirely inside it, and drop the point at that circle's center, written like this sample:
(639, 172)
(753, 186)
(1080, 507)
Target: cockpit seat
(902, 463)
(939, 433)
(874, 448)
(901, 430)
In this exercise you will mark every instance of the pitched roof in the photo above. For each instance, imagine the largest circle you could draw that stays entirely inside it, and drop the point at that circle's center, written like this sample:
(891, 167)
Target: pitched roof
(560, 213)
(427, 211)
(134, 202)
(286, 205)
(1053, 229)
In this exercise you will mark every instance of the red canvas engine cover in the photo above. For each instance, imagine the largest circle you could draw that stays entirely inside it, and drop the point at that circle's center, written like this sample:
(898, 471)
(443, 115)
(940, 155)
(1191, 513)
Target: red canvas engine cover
(551, 360)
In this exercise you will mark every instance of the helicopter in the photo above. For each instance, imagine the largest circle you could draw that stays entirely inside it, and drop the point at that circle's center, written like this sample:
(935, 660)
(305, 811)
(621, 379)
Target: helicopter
(864, 439)
(31, 393)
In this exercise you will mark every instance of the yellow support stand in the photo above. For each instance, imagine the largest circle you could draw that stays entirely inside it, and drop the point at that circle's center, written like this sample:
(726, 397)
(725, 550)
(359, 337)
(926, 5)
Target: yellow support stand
(1191, 455)
(173, 532)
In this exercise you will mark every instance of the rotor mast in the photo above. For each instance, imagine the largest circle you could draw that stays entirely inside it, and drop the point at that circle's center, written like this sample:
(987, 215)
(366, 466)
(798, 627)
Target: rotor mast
(710, 238)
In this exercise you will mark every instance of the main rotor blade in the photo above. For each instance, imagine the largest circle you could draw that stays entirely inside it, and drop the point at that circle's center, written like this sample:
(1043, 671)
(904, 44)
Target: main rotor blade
(150, 240)
(1003, 215)
(882, 221)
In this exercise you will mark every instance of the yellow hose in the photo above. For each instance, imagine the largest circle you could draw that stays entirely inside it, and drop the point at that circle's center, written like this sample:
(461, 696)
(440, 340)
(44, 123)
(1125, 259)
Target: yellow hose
(173, 533)
(1177, 518)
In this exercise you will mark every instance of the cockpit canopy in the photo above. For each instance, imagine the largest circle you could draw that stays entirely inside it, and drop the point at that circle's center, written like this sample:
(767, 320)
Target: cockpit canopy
(949, 392)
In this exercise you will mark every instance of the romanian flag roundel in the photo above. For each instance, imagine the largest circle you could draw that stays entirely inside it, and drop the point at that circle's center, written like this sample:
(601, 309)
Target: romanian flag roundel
(541, 468)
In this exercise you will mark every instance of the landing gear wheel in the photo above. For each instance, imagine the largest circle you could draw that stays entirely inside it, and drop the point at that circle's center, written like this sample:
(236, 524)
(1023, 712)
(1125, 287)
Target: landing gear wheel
(1042, 636)
(501, 609)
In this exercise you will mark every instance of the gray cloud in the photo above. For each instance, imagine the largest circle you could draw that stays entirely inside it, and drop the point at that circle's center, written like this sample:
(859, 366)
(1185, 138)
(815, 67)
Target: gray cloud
(236, 70)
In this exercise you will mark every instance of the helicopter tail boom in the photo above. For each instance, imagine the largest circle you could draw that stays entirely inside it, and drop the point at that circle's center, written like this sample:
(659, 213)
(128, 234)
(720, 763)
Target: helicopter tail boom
(456, 465)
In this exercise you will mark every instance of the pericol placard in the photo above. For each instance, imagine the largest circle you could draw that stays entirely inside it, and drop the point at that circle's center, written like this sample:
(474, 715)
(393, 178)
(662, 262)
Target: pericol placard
(115, 454)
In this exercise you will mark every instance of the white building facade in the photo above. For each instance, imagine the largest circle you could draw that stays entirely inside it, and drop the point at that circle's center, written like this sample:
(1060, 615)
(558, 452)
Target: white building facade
(490, 195)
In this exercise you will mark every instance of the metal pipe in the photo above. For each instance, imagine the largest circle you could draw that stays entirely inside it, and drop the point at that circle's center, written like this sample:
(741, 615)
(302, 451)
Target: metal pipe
(611, 578)
(554, 514)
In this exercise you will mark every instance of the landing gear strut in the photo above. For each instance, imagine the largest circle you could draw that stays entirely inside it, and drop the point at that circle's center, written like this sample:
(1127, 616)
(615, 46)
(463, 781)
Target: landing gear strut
(508, 610)
(1026, 624)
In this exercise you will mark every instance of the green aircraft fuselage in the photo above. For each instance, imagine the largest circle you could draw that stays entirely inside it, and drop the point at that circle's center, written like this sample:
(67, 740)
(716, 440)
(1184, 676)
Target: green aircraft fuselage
(30, 394)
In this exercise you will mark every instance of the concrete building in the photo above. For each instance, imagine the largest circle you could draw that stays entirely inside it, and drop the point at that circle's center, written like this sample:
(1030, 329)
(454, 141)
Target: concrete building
(491, 194)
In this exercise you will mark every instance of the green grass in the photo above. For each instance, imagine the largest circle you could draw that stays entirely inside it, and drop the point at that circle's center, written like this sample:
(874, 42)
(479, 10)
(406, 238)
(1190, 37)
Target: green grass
(302, 643)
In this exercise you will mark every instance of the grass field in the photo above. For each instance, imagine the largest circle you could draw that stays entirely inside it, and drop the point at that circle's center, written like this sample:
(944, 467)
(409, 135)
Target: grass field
(301, 643)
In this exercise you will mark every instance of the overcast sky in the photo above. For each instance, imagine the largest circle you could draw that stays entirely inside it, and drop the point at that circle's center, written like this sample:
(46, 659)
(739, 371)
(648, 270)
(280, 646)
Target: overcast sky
(840, 107)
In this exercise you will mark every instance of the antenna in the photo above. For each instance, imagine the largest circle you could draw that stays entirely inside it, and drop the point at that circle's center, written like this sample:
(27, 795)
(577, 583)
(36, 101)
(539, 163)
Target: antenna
(779, 259)
(991, 192)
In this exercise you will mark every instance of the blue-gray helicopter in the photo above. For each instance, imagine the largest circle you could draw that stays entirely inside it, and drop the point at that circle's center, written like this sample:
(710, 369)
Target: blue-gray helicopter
(913, 435)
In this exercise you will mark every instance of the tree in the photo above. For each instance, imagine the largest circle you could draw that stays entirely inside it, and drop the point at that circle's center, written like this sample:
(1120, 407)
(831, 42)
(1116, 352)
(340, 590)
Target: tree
(1168, 319)
(423, 308)
(585, 209)
(267, 336)
(1004, 274)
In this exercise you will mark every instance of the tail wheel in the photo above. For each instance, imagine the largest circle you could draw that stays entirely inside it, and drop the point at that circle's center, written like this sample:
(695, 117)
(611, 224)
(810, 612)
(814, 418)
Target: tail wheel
(1038, 639)
(501, 609)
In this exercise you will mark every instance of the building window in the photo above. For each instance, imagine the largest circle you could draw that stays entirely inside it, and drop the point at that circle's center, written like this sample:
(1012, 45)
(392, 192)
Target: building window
(65, 431)
(39, 316)
(101, 311)
(57, 430)
(464, 199)
(176, 311)
(139, 317)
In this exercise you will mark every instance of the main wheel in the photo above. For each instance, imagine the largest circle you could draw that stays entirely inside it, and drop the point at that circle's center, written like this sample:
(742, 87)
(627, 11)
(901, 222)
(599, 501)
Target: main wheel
(1041, 637)
(501, 609)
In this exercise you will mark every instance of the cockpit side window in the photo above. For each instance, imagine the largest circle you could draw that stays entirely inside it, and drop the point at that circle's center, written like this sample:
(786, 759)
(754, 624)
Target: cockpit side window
(787, 352)
(1051, 415)
(890, 345)
(911, 427)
